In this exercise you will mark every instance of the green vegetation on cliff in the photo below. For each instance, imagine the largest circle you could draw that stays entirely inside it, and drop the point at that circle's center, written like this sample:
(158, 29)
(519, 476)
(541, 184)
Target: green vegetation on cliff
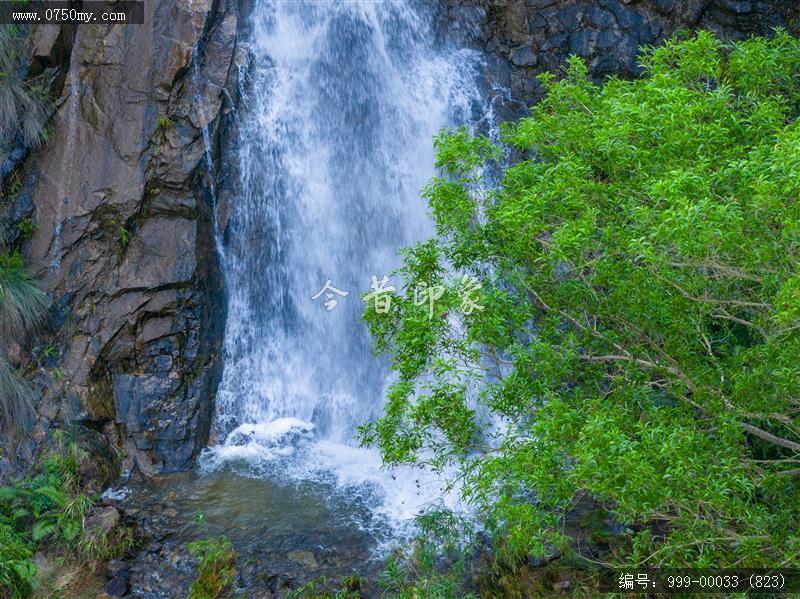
(24, 107)
(636, 339)
(23, 308)
(24, 110)
(51, 512)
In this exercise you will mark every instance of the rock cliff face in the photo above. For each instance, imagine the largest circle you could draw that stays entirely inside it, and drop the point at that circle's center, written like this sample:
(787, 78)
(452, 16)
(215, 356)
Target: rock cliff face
(528, 37)
(123, 199)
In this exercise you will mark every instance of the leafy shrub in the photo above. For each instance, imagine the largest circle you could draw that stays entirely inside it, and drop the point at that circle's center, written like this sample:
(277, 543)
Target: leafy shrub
(638, 337)
(216, 571)
(436, 564)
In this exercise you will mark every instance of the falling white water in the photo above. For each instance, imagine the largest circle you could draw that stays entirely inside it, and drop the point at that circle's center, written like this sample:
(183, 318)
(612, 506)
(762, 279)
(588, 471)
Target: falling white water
(336, 143)
(66, 170)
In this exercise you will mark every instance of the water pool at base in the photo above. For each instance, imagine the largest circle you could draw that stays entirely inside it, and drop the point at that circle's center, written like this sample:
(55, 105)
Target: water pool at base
(295, 512)
(285, 535)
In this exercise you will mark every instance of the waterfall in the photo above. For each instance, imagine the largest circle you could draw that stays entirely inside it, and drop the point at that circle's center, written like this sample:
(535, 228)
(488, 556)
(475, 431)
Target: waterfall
(336, 143)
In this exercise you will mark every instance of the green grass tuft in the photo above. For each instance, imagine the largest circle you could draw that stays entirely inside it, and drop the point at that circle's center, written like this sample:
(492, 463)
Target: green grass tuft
(24, 105)
(23, 308)
(216, 572)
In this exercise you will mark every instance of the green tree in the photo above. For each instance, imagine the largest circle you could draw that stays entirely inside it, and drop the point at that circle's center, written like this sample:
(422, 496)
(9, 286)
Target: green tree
(637, 246)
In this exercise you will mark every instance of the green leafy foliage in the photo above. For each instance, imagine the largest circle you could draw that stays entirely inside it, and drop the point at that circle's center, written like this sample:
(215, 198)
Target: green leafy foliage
(124, 236)
(164, 123)
(216, 572)
(639, 333)
(17, 571)
(26, 228)
(50, 511)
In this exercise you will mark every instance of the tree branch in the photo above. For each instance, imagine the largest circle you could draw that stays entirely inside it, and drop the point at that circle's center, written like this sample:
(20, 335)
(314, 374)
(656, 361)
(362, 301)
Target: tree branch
(769, 437)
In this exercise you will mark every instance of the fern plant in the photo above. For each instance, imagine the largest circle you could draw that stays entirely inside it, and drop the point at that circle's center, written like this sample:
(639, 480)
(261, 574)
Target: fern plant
(17, 571)
(49, 511)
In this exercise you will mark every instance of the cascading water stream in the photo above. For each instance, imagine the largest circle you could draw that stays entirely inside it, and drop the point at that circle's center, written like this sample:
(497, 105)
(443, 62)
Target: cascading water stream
(336, 144)
(65, 172)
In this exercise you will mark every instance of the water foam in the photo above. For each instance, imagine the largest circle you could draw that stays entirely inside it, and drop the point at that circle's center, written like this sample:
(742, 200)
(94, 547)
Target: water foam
(286, 450)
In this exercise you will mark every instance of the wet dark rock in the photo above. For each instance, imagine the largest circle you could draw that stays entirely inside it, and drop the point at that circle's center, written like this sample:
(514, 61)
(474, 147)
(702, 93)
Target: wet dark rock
(116, 587)
(304, 558)
(11, 161)
(116, 568)
(50, 48)
(532, 36)
(523, 57)
(99, 465)
(739, 7)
